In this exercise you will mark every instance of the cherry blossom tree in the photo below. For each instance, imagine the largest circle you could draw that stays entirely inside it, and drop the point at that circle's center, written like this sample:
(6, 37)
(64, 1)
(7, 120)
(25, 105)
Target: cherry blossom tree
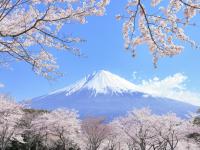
(60, 128)
(95, 133)
(142, 130)
(138, 129)
(31, 139)
(10, 116)
(29, 27)
(171, 130)
(159, 24)
(115, 140)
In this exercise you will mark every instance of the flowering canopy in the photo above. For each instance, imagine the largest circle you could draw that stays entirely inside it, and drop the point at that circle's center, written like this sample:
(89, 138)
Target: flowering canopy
(25, 24)
(159, 25)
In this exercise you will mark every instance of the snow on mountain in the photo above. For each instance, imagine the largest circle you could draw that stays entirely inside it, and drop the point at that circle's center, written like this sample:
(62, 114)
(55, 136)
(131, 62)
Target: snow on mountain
(105, 94)
(101, 82)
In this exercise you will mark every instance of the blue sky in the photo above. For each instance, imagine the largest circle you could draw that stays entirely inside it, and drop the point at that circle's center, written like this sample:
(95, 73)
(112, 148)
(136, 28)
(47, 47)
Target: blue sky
(104, 50)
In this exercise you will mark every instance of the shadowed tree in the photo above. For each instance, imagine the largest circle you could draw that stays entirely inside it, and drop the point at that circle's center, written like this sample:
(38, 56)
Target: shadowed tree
(95, 132)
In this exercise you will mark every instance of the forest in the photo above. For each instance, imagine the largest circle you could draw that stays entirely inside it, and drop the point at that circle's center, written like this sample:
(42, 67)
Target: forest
(62, 129)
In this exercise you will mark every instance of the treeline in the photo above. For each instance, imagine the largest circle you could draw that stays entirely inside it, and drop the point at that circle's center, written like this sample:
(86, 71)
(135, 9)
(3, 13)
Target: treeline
(61, 129)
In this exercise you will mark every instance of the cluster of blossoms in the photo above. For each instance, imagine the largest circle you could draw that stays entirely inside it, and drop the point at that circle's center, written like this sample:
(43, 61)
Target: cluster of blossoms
(161, 30)
(29, 28)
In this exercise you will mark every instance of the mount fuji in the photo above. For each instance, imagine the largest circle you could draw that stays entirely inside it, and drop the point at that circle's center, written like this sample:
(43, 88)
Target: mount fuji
(105, 94)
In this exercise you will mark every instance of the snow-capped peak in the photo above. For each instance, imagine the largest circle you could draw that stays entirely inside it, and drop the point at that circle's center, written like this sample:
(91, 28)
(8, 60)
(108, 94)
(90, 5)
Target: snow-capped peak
(100, 82)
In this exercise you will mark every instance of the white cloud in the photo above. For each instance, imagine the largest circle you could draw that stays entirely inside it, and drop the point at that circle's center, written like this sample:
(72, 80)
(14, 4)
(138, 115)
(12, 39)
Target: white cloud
(171, 87)
(134, 75)
(2, 85)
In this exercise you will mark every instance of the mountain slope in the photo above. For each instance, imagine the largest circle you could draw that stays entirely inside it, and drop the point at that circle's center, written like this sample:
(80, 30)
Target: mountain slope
(101, 82)
(105, 94)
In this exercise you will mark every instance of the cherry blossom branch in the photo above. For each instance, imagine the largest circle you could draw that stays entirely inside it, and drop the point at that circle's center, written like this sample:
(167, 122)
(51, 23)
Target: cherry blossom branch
(160, 31)
(24, 25)
(190, 5)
